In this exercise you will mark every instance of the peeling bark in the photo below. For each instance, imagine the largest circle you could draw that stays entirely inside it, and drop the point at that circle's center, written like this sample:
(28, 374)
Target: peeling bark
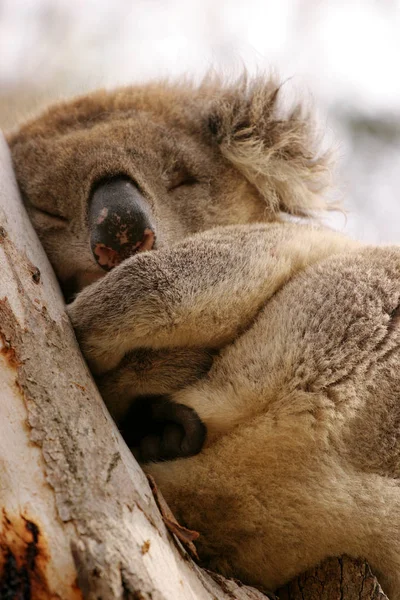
(336, 579)
(78, 517)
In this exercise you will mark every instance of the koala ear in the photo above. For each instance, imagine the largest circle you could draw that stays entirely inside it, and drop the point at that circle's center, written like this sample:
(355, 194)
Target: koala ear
(277, 153)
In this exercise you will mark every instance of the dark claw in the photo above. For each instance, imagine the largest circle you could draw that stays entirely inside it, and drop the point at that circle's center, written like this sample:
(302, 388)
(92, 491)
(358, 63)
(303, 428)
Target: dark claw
(158, 429)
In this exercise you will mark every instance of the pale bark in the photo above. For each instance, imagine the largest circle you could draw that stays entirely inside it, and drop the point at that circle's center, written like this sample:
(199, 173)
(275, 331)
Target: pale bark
(78, 517)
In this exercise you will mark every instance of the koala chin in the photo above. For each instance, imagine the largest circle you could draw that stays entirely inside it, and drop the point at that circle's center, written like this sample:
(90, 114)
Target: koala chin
(251, 362)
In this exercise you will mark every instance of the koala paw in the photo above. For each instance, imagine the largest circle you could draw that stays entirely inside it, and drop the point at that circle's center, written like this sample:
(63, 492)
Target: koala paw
(157, 429)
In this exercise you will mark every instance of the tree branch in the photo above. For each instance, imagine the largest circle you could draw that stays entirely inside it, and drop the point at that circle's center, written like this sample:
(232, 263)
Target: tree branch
(336, 579)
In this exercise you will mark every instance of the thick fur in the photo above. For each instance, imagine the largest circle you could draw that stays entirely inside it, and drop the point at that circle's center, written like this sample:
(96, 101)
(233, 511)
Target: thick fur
(284, 338)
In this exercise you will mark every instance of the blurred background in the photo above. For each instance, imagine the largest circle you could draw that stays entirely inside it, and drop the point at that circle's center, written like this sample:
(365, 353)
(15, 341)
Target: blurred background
(345, 54)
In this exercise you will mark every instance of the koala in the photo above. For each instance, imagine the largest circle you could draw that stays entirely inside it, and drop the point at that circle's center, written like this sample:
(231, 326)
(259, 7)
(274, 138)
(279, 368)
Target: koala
(251, 362)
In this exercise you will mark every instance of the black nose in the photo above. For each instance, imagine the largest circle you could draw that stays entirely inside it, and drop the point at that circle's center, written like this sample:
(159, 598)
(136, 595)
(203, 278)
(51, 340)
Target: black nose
(120, 222)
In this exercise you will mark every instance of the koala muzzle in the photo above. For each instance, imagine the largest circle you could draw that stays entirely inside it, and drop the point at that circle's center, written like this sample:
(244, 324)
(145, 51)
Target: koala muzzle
(120, 222)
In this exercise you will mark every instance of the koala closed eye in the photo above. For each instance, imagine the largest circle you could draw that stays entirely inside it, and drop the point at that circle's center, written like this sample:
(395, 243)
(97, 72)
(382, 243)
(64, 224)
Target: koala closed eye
(181, 177)
(47, 220)
(185, 180)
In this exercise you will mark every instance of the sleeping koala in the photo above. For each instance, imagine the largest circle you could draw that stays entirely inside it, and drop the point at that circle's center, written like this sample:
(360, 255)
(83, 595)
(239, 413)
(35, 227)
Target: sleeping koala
(252, 363)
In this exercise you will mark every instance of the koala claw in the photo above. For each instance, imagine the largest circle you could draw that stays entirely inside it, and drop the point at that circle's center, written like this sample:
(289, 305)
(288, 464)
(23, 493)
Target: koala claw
(158, 429)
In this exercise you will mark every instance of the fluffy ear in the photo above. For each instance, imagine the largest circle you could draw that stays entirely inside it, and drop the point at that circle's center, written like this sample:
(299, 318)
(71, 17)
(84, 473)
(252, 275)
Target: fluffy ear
(278, 153)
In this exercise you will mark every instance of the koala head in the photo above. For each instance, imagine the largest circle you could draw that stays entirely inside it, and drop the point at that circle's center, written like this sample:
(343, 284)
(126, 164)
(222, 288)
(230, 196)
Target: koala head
(111, 173)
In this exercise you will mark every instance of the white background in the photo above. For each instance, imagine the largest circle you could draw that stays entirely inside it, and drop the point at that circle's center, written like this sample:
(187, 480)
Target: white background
(345, 54)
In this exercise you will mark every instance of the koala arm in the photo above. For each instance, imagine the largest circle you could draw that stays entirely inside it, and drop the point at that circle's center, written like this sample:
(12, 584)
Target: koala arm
(200, 293)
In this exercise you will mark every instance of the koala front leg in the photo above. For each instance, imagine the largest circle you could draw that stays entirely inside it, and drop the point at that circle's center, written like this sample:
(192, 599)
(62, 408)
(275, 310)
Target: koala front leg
(201, 293)
(197, 294)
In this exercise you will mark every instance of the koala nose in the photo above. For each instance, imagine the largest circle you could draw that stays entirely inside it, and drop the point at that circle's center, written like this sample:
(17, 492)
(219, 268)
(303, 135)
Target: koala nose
(120, 222)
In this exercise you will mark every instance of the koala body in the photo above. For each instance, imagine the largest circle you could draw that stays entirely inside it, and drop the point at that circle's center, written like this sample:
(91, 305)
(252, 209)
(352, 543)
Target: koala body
(281, 339)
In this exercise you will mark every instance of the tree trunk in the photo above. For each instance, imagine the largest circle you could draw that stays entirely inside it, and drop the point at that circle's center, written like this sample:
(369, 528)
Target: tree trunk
(336, 579)
(78, 517)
